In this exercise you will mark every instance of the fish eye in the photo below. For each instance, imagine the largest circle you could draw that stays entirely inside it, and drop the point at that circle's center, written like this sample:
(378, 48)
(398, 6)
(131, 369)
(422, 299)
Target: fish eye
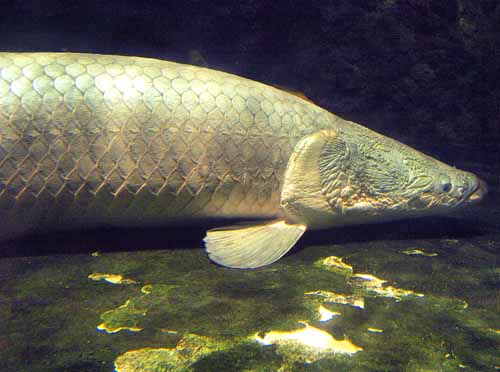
(447, 187)
(445, 183)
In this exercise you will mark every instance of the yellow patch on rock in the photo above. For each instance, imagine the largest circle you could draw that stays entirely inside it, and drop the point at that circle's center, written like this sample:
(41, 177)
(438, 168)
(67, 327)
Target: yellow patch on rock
(311, 338)
(335, 264)
(375, 286)
(114, 318)
(335, 298)
(179, 359)
(325, 314)
(111, 278)
(418, 252)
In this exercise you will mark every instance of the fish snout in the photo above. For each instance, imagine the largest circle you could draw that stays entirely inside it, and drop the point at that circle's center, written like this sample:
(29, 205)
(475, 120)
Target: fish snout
(479, 192)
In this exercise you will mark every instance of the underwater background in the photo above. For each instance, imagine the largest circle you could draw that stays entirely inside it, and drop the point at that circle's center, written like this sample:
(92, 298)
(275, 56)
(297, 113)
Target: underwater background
(414, 295)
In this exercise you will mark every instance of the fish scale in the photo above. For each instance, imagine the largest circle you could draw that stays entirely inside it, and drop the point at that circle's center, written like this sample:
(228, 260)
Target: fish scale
(124, 140)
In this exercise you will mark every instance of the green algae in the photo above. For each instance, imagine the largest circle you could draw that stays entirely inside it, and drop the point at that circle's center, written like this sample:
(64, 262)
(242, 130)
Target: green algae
(179, 297)
(179, 359)
(124, 317)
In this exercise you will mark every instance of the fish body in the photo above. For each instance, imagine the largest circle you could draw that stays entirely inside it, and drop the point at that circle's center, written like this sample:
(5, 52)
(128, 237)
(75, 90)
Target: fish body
(91, 140)
(120, 139)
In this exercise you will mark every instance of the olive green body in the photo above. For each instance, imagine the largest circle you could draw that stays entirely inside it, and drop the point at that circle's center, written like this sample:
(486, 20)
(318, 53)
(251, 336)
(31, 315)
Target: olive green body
(93, 139)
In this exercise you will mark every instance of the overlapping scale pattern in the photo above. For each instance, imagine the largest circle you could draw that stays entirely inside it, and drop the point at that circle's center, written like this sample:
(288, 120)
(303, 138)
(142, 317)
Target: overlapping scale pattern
(112, 139)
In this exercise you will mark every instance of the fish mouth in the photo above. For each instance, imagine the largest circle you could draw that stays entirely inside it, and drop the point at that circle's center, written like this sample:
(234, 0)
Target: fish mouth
(478, 193)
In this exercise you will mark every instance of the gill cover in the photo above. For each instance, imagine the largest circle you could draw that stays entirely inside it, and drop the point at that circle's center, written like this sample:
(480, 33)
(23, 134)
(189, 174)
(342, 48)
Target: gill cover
(303, 197)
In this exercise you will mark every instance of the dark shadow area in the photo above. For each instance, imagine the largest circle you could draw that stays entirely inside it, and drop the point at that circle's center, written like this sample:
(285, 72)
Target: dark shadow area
(114, 239)
(414, 229)
(424, 228)
(106, 239)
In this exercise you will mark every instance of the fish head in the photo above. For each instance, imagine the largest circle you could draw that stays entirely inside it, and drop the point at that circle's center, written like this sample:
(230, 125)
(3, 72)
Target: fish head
(385, 179)
(433, 187)
(355, 175)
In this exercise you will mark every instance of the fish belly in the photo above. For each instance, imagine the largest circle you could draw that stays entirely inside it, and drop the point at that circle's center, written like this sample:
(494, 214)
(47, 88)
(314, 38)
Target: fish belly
(92, 139)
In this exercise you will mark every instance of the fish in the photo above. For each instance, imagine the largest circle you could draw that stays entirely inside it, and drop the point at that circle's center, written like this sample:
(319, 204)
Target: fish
(90, 140)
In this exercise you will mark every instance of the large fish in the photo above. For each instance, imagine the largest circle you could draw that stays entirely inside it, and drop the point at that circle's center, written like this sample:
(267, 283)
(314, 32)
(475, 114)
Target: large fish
(89, 140)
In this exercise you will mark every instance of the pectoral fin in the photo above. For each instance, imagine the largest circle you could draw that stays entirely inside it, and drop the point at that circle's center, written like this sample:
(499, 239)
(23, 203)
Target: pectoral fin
(246, 247)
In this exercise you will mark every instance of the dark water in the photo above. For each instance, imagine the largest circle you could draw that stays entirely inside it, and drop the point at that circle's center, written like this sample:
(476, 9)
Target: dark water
(439, 309)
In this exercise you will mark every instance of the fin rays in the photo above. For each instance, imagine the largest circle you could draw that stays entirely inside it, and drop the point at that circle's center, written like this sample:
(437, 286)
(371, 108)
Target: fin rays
(252, 246)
